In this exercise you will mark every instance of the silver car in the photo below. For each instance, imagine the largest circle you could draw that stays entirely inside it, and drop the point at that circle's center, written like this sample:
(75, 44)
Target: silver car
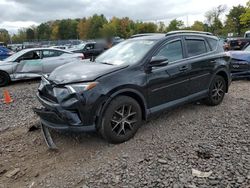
(32, 63)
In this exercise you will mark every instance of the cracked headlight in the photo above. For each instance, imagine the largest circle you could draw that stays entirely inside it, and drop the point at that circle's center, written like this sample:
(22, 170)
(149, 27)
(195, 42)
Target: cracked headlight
(60, 93)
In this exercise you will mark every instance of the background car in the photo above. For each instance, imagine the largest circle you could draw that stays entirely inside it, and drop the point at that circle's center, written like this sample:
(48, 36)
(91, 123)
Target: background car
(5, 52)
(236, 43)
(32, 63)
(89, 49)
(241, 63)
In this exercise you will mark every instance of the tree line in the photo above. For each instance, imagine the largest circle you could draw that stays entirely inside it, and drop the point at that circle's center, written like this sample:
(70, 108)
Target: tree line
(98, 26)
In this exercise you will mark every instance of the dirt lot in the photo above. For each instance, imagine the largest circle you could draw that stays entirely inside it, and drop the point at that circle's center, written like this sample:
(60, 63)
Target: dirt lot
(165, 152)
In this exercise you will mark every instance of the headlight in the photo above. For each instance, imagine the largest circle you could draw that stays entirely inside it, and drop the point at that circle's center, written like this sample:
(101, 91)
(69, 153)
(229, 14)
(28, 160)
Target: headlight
(60, 93)
(75, 88)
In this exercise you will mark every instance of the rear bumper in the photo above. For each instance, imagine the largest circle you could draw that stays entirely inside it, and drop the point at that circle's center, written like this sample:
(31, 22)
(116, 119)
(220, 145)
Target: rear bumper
(55, 117)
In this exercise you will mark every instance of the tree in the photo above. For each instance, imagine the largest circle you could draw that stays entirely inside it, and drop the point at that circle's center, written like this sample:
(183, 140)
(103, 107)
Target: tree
(175, 25)
(96, 23)
(233, 21)
(67, 29)
(213, 19)
(30, 34)
(161, 27)
(198, 26)
(245, 18)
(43, 31)
(4, 36)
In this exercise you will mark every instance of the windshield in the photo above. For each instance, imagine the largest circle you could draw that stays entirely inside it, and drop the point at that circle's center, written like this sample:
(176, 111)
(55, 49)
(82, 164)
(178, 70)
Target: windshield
(127, 52)
(80, 46)
(15, 56)
(247, 48)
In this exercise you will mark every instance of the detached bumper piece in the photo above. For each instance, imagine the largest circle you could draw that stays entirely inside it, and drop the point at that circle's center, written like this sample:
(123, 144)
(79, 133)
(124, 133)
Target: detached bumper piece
(50, 119)
(47, 137)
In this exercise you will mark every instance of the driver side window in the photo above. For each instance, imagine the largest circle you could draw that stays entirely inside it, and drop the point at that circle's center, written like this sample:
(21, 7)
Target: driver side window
(31, 56)
(172, 51)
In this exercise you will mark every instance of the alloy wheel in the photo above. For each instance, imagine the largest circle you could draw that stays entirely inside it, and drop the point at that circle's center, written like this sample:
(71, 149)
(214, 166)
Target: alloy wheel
(123, 120)
(218, 90)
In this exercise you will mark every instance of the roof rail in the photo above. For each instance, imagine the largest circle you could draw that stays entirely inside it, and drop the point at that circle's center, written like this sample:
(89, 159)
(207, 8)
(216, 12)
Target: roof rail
(188, 32)
(145, 34)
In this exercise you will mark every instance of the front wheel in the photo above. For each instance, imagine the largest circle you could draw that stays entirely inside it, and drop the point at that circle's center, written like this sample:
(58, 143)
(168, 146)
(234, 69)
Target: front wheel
(121, 119)
(217, 91)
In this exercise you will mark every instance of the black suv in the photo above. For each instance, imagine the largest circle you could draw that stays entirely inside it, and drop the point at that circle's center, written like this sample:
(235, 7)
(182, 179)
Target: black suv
(90, 50)
(132, 81)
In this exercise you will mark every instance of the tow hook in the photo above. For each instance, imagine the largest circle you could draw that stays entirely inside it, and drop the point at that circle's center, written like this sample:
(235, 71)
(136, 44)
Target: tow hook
(47, 137)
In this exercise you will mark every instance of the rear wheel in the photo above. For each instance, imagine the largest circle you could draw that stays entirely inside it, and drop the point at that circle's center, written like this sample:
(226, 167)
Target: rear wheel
(121, 120)
(4, 79)
(217, 91)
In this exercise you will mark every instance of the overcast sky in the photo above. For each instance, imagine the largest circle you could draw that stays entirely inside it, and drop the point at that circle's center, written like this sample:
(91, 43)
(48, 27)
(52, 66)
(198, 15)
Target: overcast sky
(15, 14)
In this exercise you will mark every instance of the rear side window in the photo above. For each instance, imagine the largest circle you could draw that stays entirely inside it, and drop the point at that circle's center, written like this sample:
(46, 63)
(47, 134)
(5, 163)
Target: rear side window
(195, 47)
(213, 43)
(51, 53)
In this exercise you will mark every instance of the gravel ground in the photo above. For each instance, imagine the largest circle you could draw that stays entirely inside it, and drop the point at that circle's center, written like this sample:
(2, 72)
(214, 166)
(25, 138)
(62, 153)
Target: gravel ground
(190, 146)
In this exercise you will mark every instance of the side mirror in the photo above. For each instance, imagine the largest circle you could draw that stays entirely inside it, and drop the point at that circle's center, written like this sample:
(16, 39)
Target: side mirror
(158, 61)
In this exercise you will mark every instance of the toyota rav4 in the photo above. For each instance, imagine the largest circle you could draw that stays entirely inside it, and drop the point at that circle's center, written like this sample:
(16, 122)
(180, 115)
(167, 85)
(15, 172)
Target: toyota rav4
(132, 81)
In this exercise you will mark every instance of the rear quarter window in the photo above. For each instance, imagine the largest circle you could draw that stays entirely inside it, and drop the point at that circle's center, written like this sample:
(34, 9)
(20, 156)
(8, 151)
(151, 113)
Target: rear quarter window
(196, 47)
(213, 43)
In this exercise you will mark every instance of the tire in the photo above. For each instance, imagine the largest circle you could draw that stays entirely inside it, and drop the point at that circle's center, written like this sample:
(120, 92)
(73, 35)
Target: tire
(121, 120)
(4, 79)
(217, 91)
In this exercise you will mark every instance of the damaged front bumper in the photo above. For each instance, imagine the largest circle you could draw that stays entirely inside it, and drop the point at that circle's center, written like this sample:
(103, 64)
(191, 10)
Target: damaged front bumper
(53, 116)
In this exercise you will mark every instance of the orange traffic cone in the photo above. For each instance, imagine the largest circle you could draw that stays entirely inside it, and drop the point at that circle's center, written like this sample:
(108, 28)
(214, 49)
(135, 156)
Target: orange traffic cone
(7, 98)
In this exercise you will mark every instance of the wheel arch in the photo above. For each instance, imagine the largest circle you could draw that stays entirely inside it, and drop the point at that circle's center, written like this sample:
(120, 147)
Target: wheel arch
(133, 93)
(224, 74)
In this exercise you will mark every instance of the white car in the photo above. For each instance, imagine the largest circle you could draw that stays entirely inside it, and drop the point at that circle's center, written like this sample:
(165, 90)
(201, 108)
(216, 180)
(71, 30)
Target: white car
(33, 63)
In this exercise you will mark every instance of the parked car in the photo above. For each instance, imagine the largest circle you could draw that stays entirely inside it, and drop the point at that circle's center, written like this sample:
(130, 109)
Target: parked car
(5, 52)
(241, 63)
(32, 63)
(247, 34)
(90, 50)
(133, 81)
(236, 43)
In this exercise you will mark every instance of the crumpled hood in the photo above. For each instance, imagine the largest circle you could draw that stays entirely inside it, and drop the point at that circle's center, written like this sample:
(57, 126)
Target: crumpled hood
(80, 71)
(240, 55)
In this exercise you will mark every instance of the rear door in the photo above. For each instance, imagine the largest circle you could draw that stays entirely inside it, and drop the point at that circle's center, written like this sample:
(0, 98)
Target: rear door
(168, 84)
(28, 65)
(52, 59)
(202, 62)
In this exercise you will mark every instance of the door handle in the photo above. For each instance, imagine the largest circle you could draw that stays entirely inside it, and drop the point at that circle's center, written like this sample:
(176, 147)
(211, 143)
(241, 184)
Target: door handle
(183, 68)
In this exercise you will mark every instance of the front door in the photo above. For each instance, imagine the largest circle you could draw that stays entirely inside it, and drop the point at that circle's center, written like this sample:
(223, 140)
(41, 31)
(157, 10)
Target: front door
(29, 65)
(169, 84)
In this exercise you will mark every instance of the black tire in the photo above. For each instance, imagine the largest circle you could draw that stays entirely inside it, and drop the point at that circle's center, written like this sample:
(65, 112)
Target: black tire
(4, 79)
(217, 91)
(121, 120)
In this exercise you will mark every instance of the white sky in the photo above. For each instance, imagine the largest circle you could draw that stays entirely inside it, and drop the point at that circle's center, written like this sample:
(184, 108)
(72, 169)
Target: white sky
(16, 14)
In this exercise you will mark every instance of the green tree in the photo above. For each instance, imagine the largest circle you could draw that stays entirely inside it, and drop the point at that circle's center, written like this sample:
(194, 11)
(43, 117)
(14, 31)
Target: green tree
(43, 31)
(198, 26)
(245, 18)
(96, 23)
(175, 25)
(67, 29)
(30, 34)
(4, 36)
(233, 21)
